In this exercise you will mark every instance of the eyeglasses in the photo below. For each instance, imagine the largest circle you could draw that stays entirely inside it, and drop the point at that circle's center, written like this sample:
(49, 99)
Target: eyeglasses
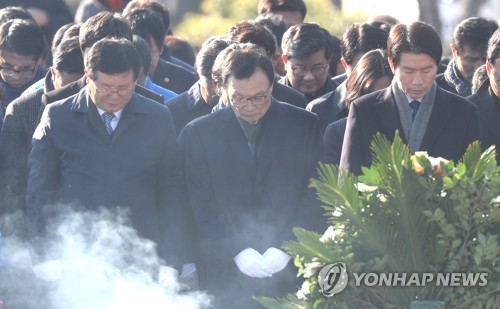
(257, 100)
(302, 71)
(121, 91)
(10, 71)
(23, 72)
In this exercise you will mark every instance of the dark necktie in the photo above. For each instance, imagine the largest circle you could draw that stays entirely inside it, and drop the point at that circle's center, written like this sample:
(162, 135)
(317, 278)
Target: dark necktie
(108, 117)
(414, 108)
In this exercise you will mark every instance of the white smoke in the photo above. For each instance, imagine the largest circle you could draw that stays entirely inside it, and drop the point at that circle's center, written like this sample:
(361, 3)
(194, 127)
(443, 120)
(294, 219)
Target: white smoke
(100, 262)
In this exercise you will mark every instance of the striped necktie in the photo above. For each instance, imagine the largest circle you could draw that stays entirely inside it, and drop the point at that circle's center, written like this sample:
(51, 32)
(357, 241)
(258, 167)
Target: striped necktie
(108, 117)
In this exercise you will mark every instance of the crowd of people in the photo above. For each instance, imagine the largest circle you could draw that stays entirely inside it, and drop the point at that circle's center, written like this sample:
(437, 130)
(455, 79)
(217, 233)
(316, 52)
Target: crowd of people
(212, 154)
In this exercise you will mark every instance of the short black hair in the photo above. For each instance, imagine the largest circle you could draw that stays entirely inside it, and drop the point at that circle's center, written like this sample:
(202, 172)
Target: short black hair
(474, 32)
(112, 56)
(361, 38)
(241, 61)
(417, 37)
(205, 58)
(14, 12)
(68, 56)
(274, 23)
(181, 49)
(273, 6)
(336, 55)
(480, 75)
(155, 6)
(22, 37)
(493, 51)
(144, 51)
(103, 25)
(58, 36)
(372, 66)
(302, 40)
(148, 25)
(252, 32)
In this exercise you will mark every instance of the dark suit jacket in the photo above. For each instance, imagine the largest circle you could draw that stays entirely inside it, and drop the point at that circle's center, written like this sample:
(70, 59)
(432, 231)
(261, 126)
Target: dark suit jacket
(333, 140)
(21, 119)
(75, 161)
(288, 95)
(173, 77)
(167, 56)
(339, 79)
(489, 115)
(242, 201)
(453, 125)
(327, 87)
(329, 108)
(188, 106)
(441, 81)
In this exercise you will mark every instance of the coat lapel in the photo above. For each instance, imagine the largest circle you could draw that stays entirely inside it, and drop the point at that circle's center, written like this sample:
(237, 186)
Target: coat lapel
(442, 112)
(129, 116)
(489, 116)
(388, 115)
(268, 135)
(234, 140)
(81, 104)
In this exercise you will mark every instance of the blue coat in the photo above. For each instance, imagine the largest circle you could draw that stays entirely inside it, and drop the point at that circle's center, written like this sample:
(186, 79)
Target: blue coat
(240, 200)
(75, 161)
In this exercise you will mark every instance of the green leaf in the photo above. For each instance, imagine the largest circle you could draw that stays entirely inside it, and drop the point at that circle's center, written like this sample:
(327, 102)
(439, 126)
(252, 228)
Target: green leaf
(309, 245)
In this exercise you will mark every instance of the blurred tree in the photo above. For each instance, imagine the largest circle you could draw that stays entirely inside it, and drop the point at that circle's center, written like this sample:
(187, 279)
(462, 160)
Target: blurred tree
(216, 16)
(337, 4)
(472, 7)
(429, 13)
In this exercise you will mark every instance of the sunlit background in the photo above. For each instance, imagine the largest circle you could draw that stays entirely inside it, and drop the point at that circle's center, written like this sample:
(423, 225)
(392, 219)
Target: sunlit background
(196, 20)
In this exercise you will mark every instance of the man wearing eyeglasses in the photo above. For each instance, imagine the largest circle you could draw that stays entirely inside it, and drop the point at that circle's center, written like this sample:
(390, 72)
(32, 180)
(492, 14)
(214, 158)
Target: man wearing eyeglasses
(307, 49)
(247, 169)
(109, 147)
(21, 49)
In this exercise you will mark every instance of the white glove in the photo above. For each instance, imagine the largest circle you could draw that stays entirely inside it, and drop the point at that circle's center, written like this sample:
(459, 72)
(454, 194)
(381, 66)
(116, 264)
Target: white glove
(48, 270)
(167, 276)
(250, 262)
(253, 264)
(275, 260)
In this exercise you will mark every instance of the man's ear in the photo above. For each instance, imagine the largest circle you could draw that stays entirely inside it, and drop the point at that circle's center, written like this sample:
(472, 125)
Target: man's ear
(391, 64)
(454, 50)
(87, 75)
(284, 58)
(53, 72)
(488, 67)
(344, 63)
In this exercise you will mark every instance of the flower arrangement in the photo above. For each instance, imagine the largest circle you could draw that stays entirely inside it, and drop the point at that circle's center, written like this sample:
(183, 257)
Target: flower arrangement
(409, 214)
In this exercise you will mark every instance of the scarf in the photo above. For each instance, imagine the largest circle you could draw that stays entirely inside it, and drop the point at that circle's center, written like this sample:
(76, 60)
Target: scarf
(454, 78)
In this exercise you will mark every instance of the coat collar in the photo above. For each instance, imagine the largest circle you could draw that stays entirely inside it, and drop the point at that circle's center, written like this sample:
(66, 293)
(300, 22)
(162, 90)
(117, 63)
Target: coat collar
(442, 112)
(194, 97)
(388, 114)
(269, 134)
(81, 103)
(489, 115)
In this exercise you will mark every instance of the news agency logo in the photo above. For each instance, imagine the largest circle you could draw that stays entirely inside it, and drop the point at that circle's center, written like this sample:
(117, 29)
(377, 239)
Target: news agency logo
(333, 279)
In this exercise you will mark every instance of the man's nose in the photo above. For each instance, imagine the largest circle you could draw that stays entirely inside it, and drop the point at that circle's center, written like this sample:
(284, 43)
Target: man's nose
(309, 75)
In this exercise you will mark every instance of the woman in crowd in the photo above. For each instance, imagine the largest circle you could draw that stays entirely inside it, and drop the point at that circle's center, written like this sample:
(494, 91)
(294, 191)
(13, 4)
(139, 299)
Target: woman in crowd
(370, 74)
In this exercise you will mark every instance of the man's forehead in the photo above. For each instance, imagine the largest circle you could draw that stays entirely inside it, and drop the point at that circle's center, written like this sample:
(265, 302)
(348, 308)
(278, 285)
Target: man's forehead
(467, 48)
(122, 76)
(15, 59)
